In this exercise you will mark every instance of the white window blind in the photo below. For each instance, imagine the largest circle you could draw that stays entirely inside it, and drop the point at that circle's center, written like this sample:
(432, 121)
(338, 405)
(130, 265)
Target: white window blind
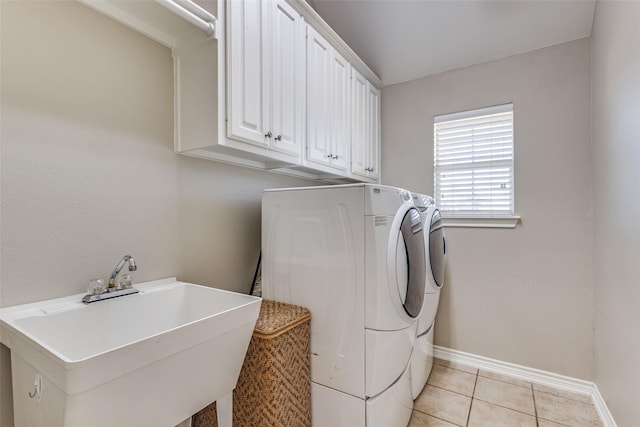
(473, 162)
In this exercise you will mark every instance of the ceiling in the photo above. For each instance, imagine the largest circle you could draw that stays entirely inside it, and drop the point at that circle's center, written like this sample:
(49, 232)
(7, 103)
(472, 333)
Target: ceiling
(403, 40)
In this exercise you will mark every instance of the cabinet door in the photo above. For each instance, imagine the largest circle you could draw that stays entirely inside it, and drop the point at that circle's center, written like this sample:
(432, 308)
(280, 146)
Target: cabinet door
(365, 128)
(340, 120)
(359, 118)
(287, 78)
(373, 131)
(248, 71)
(318, 99)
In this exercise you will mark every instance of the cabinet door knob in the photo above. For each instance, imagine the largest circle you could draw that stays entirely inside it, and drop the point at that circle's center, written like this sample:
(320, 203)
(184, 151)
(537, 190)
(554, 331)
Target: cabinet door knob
(278, 138)
(335, 157)
(268, 134)
(329, 156)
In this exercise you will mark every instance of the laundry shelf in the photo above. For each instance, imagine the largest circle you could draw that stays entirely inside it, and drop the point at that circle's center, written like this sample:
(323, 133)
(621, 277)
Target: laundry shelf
(166, 21)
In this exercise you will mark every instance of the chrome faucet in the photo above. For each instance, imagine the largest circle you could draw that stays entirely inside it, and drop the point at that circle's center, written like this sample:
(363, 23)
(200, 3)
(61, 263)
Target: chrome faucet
(116, 271)
(112, 290)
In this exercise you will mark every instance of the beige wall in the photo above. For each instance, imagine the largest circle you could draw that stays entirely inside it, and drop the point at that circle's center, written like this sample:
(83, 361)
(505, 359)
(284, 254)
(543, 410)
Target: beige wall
(616, 164)
(89, 173)
(525, 295)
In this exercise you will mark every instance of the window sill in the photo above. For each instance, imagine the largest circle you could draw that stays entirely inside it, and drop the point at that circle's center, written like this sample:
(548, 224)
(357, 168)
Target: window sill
(481, 222)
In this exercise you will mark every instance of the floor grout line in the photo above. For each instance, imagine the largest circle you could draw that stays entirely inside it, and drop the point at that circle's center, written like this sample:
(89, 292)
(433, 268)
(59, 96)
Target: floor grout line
(505, 407)
(555, 422)
(535, 407)
(433, 416)
(473, 393)
(450, 391)
(506, 382)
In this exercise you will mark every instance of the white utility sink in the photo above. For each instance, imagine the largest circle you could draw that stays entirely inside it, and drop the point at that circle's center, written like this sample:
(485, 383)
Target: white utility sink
(149, 359)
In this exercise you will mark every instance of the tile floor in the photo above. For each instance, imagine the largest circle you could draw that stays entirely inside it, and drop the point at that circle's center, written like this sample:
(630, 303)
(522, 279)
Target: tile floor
(458, 395)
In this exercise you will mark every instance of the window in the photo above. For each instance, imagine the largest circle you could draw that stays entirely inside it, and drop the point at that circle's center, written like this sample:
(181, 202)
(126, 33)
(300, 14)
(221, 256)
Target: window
(473, 163)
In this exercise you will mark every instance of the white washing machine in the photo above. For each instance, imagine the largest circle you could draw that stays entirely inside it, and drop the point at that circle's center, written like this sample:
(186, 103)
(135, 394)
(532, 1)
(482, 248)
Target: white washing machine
(355, 256)
(435, 253)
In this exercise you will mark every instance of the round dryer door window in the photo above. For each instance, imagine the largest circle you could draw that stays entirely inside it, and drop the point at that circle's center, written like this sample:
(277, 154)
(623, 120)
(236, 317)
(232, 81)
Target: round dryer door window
(437, 248)
(410, 259)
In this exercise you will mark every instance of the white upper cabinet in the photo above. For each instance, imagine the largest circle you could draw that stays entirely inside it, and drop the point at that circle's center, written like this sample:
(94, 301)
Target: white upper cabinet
(318, 75)
(287, 78)
(328, 112)
(265, 75)
(373, 142)
(248, 75)
(365, 128)
(359, 160)
(340, 111)
(265, 84)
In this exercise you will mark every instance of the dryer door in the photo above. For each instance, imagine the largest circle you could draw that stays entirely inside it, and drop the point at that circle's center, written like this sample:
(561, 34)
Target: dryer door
(437, 248)
(410, 263)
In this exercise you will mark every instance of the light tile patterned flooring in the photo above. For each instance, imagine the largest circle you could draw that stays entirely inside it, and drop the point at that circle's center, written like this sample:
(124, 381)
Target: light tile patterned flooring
(458, 395)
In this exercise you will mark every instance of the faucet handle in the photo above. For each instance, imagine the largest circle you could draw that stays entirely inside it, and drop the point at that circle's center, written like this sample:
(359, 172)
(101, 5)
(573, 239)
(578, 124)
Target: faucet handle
(96, 287)
(126, 281)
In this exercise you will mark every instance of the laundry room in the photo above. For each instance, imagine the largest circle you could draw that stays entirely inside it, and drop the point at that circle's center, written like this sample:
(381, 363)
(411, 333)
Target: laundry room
(118, 139)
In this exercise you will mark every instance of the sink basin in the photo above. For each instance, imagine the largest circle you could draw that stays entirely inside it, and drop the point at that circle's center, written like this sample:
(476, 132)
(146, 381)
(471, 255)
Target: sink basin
(148, 359)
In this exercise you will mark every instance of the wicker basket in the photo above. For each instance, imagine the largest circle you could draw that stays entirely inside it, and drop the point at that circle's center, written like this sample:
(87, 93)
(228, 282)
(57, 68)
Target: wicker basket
(274, 387)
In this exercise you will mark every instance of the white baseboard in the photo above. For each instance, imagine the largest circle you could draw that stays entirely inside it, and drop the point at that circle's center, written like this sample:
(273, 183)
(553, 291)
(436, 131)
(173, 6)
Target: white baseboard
(602, 408)
(537, 376)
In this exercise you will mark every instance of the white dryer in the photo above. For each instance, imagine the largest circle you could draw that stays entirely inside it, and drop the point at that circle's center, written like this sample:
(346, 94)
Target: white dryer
(435, 253)
(355, 256)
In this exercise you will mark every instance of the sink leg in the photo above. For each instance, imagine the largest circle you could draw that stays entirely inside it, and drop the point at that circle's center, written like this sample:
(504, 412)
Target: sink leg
(224, 407)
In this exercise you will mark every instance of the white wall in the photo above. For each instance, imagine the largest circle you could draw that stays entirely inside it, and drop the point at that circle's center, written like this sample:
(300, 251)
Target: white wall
(616, 164)
(525, 295)
(89, 173)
